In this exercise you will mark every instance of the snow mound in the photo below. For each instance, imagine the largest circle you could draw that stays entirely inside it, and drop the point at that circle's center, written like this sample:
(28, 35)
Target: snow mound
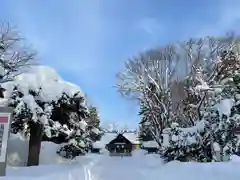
(235, 158)
(45, 78)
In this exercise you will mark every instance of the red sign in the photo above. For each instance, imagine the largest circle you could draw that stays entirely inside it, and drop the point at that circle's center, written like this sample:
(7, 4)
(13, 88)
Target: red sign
(4, 119)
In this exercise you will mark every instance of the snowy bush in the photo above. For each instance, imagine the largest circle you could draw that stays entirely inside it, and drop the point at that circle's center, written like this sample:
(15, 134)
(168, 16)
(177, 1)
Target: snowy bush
(79, 144)
(186, 144)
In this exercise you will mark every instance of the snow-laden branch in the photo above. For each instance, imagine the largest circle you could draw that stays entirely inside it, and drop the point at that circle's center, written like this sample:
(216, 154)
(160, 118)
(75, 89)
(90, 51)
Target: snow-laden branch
(14, 55)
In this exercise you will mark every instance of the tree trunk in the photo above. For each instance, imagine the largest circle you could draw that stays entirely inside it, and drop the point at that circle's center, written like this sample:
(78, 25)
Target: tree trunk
(34, 144)
(221, 153)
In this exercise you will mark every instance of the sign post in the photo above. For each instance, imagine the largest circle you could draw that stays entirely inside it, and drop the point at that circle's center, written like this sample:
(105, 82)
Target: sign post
(5, 120)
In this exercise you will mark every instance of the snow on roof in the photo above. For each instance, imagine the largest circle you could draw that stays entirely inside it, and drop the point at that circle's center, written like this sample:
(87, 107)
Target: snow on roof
(150, 144)
(133, 137)
(107, 137)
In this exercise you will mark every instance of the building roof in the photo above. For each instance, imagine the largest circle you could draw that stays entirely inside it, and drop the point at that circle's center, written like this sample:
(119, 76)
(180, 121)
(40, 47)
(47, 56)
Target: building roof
(105, 139)
(120, 138)
(108, 137)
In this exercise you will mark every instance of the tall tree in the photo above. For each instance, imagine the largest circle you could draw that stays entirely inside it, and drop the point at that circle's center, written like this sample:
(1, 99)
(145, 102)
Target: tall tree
(151, 78)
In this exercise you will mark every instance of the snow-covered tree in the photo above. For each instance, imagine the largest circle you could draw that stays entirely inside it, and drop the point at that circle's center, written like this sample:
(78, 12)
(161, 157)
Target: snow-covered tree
(146, 79)
(186, 144)
(94, 119)
(94, 123)
(45, 106)
(165, 68)
(221, 112)
(68, 111)
(218, 117)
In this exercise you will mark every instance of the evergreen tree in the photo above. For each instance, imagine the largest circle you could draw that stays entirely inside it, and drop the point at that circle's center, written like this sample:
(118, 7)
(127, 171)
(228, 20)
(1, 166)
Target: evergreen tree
(186, 144)
(94, 123)
(145, 133)
(71, 112)
(57, 121)
(94, 119)
(31, 116)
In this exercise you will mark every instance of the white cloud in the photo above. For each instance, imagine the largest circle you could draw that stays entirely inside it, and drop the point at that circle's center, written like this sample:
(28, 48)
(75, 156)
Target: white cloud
(150, 25)
(85, 31)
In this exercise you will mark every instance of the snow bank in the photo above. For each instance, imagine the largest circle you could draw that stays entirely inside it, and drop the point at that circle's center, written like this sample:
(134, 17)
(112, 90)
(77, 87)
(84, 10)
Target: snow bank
(17, 154)
(150, 144)
(99, 144)
(75, 169)
(200, 171)
(48, 154)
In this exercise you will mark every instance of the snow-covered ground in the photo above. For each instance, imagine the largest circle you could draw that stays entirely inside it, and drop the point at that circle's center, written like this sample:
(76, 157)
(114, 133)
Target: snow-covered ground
(137, 167)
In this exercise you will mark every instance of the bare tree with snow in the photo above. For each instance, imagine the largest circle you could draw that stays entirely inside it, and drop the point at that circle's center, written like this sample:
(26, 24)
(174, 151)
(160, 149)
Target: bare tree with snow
(14, 54)
(147, 79)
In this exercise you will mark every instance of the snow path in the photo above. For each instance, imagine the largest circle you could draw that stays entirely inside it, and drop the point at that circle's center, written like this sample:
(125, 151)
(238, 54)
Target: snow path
(151, 167)
(119, 168)
(89, 168)
(136, 167)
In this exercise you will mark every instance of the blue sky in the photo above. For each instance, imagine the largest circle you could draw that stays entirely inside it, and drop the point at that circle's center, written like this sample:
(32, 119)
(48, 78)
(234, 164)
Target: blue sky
(87, 41)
